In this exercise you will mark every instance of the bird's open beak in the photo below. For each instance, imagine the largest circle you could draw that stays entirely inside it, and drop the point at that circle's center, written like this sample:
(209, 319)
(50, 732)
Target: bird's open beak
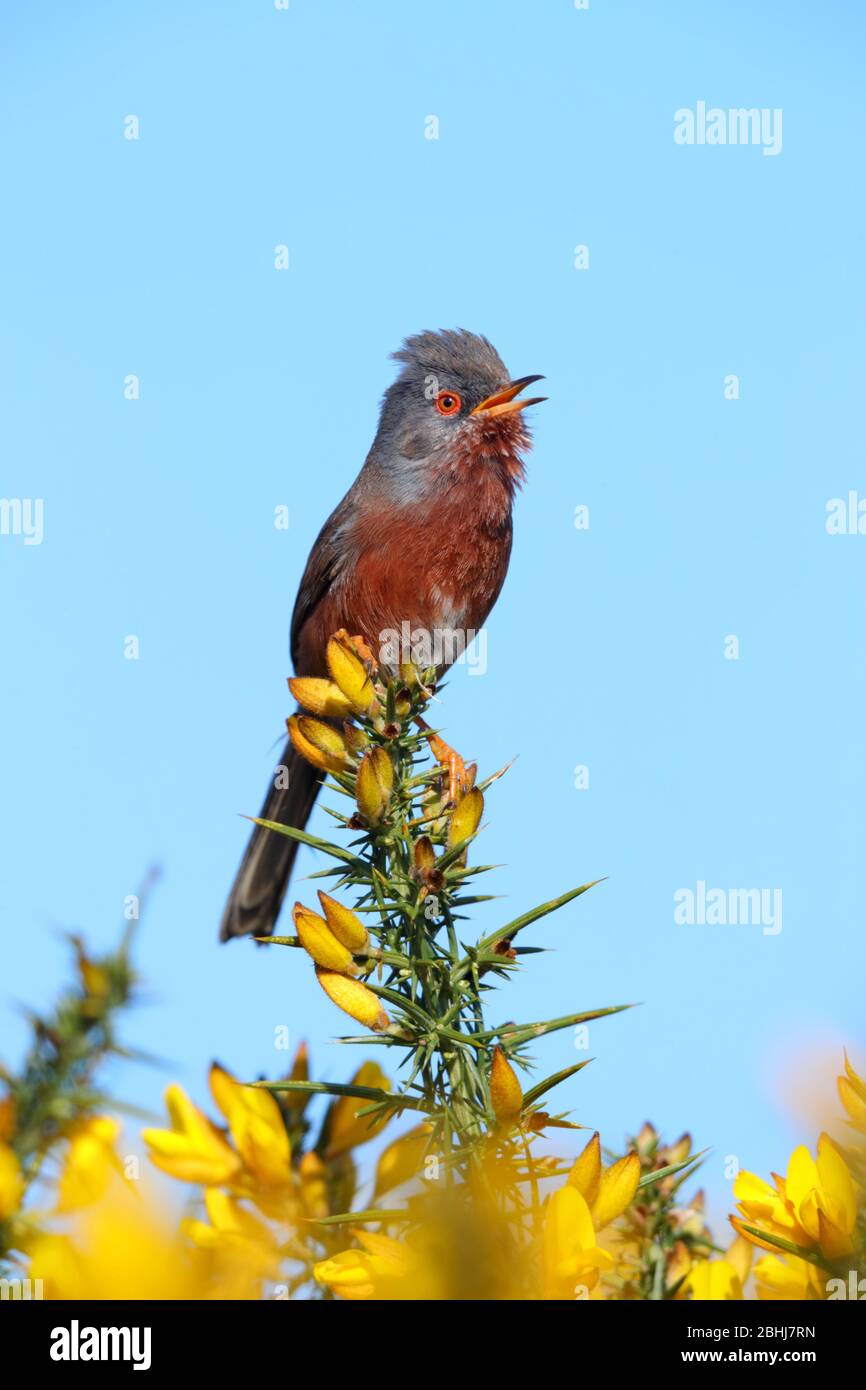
(505, 402)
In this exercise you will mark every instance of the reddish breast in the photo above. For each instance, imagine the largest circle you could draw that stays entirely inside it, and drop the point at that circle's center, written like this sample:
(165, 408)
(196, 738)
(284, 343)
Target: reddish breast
(434, 567)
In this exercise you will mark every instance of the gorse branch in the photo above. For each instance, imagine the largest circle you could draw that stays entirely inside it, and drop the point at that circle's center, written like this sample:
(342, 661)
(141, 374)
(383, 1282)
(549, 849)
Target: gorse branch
(396, 961)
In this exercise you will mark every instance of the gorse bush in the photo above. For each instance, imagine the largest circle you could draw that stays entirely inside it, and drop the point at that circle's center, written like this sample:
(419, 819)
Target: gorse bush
(466, 1199)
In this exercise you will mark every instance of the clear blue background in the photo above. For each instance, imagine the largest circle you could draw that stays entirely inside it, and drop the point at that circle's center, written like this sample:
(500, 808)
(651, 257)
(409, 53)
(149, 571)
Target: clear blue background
(260, 387)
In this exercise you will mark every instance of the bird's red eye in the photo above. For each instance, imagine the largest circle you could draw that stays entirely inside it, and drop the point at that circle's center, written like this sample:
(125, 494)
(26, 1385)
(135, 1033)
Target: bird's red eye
(448, 402)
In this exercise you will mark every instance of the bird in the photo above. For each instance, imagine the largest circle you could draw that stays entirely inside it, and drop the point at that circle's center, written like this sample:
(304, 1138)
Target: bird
(423, 536)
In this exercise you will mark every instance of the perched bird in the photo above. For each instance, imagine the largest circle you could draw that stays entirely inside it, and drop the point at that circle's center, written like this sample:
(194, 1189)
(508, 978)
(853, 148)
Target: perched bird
(423, 536)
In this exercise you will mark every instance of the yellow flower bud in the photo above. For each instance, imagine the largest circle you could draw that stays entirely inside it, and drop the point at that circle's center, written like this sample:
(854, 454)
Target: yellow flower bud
(375, 784)
(320, 696)
(506, 1097)
(616, 1188)
(676, 1153)
(350, 673)
(585, 1174)
(465, 817)
(344, 924)
(320, 942)
(354, 999)
(319, 743)
(647, 1139)
(424, 856)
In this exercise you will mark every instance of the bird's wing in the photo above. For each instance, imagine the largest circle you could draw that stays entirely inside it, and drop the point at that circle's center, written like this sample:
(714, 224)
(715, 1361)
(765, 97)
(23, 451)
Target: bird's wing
(328, 561)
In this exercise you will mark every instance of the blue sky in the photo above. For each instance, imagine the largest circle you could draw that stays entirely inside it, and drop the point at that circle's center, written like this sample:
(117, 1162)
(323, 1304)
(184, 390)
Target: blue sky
(259, 387)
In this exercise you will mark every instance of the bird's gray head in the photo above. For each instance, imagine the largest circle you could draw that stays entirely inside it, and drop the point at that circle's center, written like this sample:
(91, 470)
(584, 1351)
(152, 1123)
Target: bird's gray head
(452, 406)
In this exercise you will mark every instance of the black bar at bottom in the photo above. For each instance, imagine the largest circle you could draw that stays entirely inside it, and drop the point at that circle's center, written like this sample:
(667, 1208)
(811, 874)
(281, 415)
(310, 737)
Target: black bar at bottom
(67, 1338)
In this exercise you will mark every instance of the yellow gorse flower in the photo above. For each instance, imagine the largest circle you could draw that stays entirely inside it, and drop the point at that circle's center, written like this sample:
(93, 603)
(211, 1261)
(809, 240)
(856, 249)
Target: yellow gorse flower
(591, 1199)
(382, 1269)
(91, 1163)
(193, 1150)
(572, 1257)
(720, 1279)
(814, 1205)
(345, 924)
(321, 697)
(784, 1277)
(122, 1247)
(345, 1127)
(349, 672)
(822, 1195)
(466, 817)
(331, 942)
(256, 1126)
(767, 1207)
(229, 1220)
(608, 1191)
(714, 1279)
(320, 943)
(401, 1161)
(375, 785)
(243, 1248)
(320, 744)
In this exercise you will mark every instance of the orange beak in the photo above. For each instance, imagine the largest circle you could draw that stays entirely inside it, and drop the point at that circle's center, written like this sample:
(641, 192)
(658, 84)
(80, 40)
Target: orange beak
(504, 402)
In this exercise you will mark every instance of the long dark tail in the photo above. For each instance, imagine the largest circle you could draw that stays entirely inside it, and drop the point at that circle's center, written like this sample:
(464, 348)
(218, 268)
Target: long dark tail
(263, 877)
